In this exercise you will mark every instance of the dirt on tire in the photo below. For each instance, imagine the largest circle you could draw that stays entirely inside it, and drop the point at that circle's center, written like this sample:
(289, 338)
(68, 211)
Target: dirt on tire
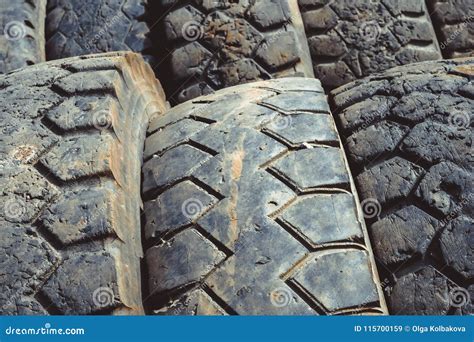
(72, 135)
(408, 135)
(250, 208)
(213, 44)
(21, 34)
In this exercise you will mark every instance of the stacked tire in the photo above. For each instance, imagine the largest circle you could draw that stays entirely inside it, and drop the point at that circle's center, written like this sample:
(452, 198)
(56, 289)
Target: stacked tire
(262, 191)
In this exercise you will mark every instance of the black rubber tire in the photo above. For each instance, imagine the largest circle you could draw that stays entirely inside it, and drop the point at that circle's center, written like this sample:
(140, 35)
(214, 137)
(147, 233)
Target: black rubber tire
(350, 39)
(72, 134)
(248, 200)
(454, 24)
(408, 137)
(21, 33)
(78, 27)
(213, 44)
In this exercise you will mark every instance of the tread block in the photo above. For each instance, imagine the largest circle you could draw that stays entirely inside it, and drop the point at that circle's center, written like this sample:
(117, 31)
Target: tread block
(384, 137)
(24, 193)
(390, 181)
(177, 207)
(160, 171)
(27, 261)
(175, 134)
(80, 156)
(425, 292)
(327, 166)
(403, 235)
(196, 303)
(190, 264)
(83, 82)
(298, 102)
(309, 216)
(328, 277)
(301, 128)
(84, 294)
(80, 215)
(456, 245)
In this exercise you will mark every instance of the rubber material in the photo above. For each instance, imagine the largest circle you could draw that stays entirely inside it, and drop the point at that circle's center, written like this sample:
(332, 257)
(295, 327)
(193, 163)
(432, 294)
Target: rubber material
(250, 208)
(72, 134)
(213, 44)
(21, 33)
(350, 39)
(78, 27)
(408, 136)
(454, 23)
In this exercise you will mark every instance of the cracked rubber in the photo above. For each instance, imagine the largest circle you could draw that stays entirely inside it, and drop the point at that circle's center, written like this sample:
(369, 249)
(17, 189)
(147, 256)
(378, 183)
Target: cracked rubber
(408, 137)
(21, 33)
(249, 201)
(213, 44)
(77, 27)
(351, 39)
(72, 135)
(454, 24)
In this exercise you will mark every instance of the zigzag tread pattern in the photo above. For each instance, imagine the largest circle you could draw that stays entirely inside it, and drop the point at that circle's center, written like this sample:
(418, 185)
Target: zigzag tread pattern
(70, 184)
(247, 200)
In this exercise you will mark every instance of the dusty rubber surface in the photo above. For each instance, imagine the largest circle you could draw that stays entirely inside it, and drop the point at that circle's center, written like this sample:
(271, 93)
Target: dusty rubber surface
(211, 44)
(78, 27)
(408, 137)
(250, 208)
(21, 33)
(454, 22)
(350, 39)
(72, 134)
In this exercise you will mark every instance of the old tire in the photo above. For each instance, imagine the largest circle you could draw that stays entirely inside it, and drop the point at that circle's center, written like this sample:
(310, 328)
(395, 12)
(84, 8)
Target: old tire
(77, 27)
(248, 200)
(350, 39)
(454, 23)
(21, 34)
(214, 44)
(72, 134)
(408, 136)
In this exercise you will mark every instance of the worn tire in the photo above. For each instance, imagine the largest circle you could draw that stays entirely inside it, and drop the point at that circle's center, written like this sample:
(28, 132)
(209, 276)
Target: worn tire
(454, 23)
(408, 136)
(248, 200)
(213, 44)
(72, 134)
(21, 33)
(350, 39)
(77, 27)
